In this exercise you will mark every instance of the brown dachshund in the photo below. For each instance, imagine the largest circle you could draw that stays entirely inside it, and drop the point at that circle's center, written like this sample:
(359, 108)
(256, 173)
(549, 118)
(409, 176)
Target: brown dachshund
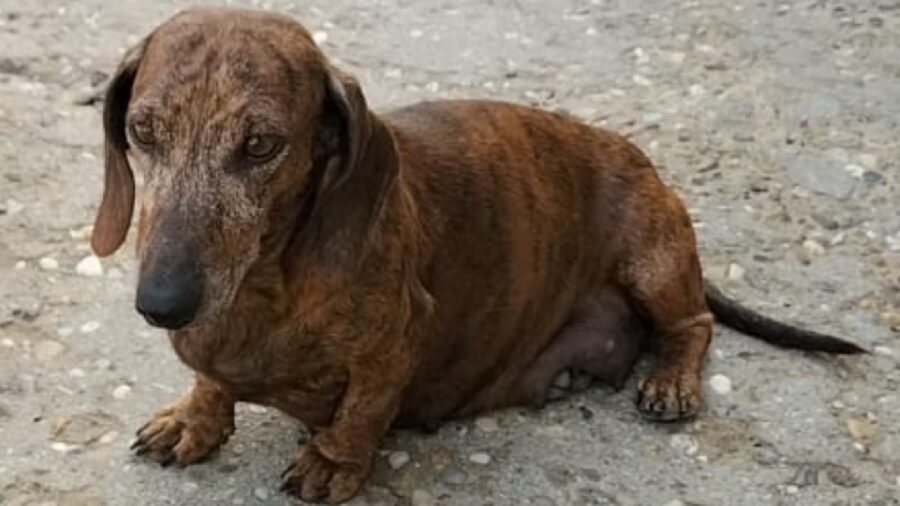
(361, 271)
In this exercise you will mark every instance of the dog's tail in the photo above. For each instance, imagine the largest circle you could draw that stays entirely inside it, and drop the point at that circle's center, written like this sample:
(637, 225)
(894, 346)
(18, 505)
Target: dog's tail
(732, 314)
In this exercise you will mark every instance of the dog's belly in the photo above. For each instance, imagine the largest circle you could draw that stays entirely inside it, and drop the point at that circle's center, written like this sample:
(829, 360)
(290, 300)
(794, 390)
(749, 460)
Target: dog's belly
(602, 337)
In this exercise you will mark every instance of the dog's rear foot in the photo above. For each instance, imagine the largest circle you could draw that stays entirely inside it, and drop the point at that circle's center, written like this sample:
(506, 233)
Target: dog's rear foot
(669, 396)
(568, 381)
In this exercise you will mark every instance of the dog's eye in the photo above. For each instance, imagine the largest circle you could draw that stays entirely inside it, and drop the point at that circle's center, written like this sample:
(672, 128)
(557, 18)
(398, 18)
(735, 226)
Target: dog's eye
(262, 148)
(142, 132)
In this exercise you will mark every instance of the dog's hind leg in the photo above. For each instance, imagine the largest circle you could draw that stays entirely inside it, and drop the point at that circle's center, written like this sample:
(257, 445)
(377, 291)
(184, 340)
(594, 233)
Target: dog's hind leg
(601, 342)
(663, 278)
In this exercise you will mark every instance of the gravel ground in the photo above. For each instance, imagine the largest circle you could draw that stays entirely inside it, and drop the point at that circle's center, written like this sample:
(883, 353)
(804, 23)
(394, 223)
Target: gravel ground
(777, 122)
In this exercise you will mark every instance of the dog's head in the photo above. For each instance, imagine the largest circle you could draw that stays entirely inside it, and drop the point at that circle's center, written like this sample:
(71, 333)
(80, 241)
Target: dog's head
(249, 144)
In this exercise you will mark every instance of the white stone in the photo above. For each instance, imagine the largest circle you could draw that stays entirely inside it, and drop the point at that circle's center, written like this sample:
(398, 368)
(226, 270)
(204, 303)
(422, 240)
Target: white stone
(813, 248)
(480, 458)
(89, 327)
(855, 170)
(109, 437)
(398, 459)
(14, 206)
(685, 444)
(641, 80)
(867, 160)
(8, 343)
(89, 266)
(883, 350)
(20, 265)
(75, 372)
(48, 263)
(61, 447)
(320, 37)
(720, 384)
(80, 234)
(261, 493)
(735, 272)
(122, 392)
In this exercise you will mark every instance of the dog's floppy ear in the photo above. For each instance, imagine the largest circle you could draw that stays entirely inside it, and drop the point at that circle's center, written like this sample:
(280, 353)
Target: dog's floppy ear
(114, 215)
(359, 168)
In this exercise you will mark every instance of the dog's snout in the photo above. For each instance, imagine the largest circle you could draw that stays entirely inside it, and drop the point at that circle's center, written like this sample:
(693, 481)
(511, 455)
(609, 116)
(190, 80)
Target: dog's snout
(170, 294)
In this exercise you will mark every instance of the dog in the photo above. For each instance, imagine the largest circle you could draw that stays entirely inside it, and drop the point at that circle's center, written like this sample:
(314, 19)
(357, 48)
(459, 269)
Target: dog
(362, 271)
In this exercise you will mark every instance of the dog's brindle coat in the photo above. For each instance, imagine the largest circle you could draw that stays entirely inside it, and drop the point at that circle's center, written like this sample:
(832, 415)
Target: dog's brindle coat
(359, 271)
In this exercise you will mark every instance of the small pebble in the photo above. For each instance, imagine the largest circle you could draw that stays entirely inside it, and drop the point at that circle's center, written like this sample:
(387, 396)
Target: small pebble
(791, 489)
(64, 331)
(80, 234)
(104, 364)
(122, 392)
(891, 319)
(398, 459)
(89, 266)
(7, 343)
(61, 447)
(735, 272)
(883, 350)
(76, 372)
(487, 424)
(867, 160)
(109, 437)
(48, 263)
(855, 170)
(480, 458)
(453, 475)
(422, 498)
(720, 384)
(14, 206)
(190, 487)
(683, 443)
(320, 37)
(48, 349)
(813, 248)
(20, 265)
(261, 493)
(89, 327)
(860, 428)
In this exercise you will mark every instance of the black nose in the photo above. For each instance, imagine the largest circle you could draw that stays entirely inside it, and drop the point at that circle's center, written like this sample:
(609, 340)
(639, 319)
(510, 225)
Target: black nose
(169, 295)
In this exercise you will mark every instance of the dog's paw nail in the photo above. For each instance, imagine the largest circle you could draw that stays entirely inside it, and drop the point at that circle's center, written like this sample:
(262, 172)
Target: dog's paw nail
(167, 460)
(288, 471)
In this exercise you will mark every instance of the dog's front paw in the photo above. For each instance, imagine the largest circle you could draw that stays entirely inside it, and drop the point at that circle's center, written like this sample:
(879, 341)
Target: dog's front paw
(313, 477)
(176, 435)
(669, 396)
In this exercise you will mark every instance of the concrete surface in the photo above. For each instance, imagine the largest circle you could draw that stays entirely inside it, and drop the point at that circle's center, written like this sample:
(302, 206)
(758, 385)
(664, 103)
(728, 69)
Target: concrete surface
(777, 121)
